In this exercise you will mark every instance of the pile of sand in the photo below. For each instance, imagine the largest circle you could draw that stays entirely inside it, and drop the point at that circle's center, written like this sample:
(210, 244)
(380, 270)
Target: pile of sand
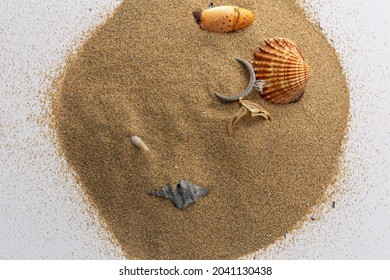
(150, 71)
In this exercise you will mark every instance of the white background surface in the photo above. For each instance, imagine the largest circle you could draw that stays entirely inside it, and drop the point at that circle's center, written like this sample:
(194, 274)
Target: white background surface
(43, 214)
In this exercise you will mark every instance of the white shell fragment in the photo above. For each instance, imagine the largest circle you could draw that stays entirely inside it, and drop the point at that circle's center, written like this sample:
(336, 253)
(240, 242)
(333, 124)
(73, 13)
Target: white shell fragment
(185, 193)
(139, 143)
(248, 107)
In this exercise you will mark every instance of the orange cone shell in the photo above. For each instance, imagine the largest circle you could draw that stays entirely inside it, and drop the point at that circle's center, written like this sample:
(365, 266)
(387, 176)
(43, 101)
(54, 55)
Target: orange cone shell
(280, 64)
(225, 19)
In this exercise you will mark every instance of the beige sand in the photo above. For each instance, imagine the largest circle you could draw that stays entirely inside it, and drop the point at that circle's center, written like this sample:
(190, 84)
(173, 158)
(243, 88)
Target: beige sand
(150, 71)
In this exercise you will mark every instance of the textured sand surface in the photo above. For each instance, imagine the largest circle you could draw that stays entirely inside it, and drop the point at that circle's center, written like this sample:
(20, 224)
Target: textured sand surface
(152, 73)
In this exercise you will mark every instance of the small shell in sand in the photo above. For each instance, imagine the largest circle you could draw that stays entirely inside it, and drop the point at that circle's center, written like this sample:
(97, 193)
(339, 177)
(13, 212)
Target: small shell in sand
(246, 107)
(139, 143)
(283, 70)
(223, 18)
(183, 195)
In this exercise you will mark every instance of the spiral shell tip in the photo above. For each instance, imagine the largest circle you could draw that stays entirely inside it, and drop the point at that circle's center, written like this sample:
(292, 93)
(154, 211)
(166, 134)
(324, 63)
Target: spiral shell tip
(139, 143)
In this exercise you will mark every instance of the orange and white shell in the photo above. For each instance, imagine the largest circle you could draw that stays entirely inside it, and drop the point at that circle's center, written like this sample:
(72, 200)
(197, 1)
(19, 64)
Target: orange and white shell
(225, 19)
(281, 66)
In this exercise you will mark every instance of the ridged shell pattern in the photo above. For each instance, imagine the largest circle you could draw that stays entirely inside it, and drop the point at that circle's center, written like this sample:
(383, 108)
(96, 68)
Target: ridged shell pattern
(281, 66)
(225, 19)
(186, 193)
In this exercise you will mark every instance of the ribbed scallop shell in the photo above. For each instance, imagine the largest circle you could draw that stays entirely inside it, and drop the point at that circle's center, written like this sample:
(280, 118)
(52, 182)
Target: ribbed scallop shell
(281, 65)
(225, 19)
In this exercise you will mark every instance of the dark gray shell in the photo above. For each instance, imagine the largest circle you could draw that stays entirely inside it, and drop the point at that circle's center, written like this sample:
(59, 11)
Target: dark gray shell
(186, 193)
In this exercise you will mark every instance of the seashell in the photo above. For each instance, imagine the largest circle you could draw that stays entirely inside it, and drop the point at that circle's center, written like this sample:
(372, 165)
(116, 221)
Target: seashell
(223, 18)
(281, 66)
(186, 193)
(248, 107)
(139, 143)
